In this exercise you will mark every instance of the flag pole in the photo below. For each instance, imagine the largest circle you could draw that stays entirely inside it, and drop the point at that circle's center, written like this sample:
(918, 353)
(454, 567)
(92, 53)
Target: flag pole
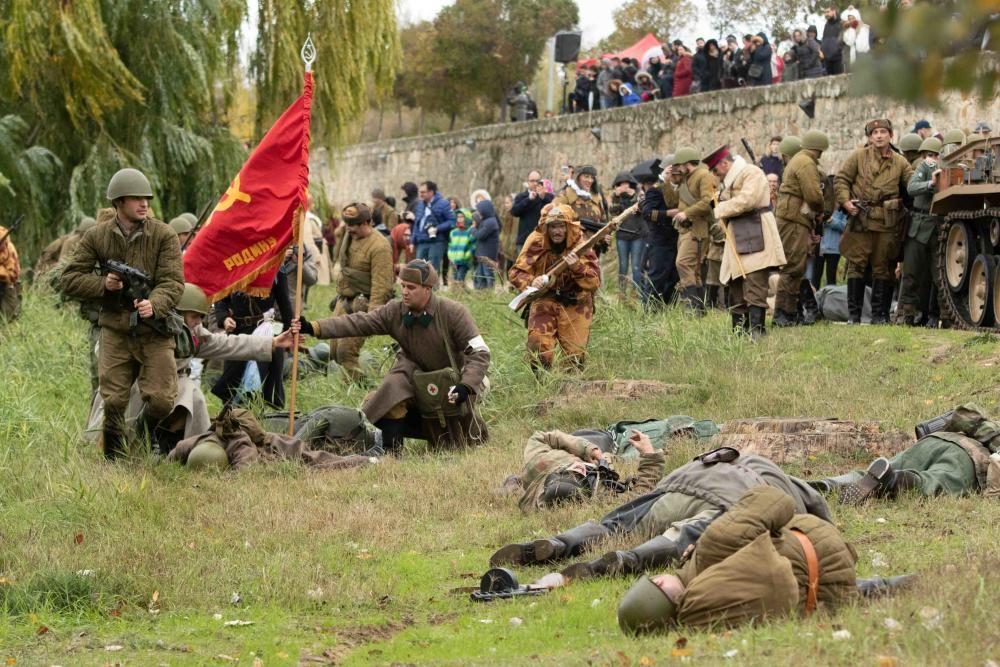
(308, 55)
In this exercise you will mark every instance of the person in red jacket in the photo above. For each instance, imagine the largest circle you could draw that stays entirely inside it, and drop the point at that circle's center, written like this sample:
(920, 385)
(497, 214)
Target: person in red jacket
(682, 72)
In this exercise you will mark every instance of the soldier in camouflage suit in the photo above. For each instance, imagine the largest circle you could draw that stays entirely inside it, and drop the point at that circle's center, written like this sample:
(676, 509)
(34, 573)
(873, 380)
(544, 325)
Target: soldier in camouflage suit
(563, 315)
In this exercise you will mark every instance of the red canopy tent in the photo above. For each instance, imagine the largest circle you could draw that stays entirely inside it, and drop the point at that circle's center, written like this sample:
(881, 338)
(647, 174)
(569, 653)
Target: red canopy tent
(637, 51)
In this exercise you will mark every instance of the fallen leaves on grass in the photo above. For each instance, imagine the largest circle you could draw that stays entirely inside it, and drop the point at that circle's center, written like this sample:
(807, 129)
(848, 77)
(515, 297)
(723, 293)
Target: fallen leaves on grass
(78, 539)
(42, 629)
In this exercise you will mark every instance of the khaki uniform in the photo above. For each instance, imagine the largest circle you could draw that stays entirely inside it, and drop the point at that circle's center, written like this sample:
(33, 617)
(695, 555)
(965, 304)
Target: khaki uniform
(552, 452)
(50, 255)
(386, 215)
(800, 200)
(365, 279)
(10, 274)
(744, 191)
(143, 354)
(563, 315)
(695, 195)
(748, 565)
(421, 349)
(920, 244)
(872, 238)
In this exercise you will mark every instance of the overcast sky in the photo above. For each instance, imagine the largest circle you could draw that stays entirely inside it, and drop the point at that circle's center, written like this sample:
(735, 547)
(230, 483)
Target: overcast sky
(595, 18)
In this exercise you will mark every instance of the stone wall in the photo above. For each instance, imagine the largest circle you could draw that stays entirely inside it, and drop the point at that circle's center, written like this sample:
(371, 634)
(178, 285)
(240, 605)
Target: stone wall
(498, 157)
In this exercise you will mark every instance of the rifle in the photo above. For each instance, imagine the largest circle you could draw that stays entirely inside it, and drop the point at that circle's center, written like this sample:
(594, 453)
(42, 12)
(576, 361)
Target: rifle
(136, 284)
(12, 228)
(206, 210)
(749, 150)
(532, 293)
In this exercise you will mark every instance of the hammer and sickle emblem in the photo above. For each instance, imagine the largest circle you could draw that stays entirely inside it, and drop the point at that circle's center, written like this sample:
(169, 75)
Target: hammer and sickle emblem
(233, 194)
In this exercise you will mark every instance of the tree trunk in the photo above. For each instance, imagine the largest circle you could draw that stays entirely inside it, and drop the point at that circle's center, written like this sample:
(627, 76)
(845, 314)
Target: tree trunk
(420, 122)
(381, 117)
(451, 123)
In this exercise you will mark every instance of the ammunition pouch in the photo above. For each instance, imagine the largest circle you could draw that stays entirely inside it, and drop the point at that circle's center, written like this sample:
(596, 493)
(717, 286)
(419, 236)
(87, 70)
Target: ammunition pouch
(566, 297)
(748, 232)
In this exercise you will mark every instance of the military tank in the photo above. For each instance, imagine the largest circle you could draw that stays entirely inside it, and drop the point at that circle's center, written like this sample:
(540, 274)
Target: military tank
(968, 255)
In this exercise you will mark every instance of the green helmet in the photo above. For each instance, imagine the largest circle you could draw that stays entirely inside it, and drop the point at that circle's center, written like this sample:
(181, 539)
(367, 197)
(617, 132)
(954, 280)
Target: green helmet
(193, 300)
(931, 145)
(129, 183)
(208, 454)
(180, 225)
(790, 145)
(320, 352)
(86, 223)
(645, 608)
(190, 217)
(910, 142)
(815, 140)
(953, 137)
(686, 154)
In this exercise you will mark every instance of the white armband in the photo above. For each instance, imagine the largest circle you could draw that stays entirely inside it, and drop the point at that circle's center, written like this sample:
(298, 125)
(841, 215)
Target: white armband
(477, 344)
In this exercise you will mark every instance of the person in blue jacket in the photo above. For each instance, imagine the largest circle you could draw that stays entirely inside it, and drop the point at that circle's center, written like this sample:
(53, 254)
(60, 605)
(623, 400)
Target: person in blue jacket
(434, 219)
(487, 234)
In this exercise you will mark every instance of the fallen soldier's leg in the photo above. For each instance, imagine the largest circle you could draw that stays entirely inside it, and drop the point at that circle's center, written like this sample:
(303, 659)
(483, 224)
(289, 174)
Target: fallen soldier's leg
(563, 545)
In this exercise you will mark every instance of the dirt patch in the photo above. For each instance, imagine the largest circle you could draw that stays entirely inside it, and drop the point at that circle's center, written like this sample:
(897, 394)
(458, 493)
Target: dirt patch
(940, 354)
(351, 637)
(795, 439)
(626, 390)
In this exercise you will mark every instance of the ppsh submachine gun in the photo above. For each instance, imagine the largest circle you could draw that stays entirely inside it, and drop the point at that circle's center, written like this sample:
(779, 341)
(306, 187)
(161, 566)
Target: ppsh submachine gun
(136, 285)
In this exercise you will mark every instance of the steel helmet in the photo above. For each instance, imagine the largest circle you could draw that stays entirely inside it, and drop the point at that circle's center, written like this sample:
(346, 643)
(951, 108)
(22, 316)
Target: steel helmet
(686, 154)
(180, 225)
(815, 140)
(910, 142)
(645, 608)
(953, 137)
(190, 217)
(129, 183)
(931, 145)
(790, 145)
(208, 454)
(193, 299)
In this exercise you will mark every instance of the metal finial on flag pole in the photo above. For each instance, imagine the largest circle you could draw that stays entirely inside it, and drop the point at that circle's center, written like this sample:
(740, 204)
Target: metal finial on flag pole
(308, 52)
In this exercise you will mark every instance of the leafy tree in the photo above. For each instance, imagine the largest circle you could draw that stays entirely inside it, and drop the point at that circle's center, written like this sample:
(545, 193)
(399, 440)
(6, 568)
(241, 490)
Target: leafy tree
(663, 18)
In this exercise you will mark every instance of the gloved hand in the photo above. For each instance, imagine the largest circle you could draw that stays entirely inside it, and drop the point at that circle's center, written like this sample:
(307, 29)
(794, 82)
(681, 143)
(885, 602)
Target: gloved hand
(306, 327)
(458, 394)
(717, 232)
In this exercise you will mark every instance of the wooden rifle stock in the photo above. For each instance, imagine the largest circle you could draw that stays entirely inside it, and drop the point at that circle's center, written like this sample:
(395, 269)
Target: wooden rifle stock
(532, 293)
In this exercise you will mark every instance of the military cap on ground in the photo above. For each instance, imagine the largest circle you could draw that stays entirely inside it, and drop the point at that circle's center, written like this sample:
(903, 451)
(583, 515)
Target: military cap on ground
(686, 154)
(356, 214)
(878, 123)
(421, 272)
(645, 608)
(953, 136)
(910, 142)
(193, 299)
(208, 454)
(86, 223)
(180, 225)
(790, 145)
(815, 140)
(717, 156)
(931, 145)
(129, 183)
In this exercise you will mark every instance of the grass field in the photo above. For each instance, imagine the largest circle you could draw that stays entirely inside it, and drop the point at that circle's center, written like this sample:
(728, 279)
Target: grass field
(147, 564)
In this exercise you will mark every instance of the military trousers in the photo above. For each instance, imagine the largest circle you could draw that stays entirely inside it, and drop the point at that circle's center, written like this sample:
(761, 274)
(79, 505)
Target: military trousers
(146, 359)
(916, 285)
(749, 291)
(668, 515)
(345, 351)
(943, 467)
(867, 248)
(795, 240)
(552, 324)
(690, 256)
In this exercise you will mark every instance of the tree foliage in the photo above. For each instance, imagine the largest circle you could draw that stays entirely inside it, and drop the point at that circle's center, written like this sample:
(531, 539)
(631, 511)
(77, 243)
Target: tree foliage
(663, 18)
(102, 84)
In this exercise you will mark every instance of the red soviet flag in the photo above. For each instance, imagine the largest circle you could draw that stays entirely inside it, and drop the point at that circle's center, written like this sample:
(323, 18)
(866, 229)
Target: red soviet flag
(242, 243)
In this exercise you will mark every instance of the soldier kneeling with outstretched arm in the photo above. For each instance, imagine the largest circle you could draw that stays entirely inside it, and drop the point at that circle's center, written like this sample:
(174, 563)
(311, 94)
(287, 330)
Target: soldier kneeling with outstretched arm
(431, 391)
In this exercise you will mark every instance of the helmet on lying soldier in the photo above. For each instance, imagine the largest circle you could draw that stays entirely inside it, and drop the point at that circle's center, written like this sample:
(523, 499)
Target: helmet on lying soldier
(208, 453)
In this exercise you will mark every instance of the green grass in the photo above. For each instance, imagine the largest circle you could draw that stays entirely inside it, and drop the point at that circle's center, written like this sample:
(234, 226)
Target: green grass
(362, 566)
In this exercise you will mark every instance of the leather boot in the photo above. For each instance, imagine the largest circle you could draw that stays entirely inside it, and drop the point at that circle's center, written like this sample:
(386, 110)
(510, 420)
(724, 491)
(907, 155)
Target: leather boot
(393, 435)
(878, 586)
(855, 299)
(563, 545)
(695, 300)
(756, 315)
(902, 481)
(113, 442)
(878, 304)
(829, 484)
(880, 481)
(782, 319)
(739, 323)
(712, 298)
(807, 303)
(655, 553)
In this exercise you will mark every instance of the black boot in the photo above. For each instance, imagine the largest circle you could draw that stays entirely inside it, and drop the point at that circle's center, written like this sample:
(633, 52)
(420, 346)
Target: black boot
(712, 300)
(878, 294)
(878, 586)
(655, 553)
(756, 316)
(695, 300)
(880, 481)
(563, 545)
(782, 319)
(855, 299)
(394, 432)
(740, 323)
(113, 442)
(807, 303)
